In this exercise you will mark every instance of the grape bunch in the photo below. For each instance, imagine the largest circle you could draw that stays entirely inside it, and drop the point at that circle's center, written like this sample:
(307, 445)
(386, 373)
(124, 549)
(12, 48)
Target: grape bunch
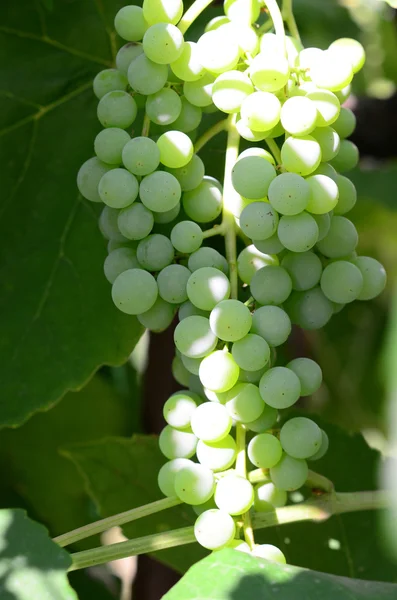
(287, 202)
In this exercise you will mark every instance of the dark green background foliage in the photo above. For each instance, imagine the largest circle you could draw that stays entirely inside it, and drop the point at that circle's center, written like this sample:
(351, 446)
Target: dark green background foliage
(76, 460)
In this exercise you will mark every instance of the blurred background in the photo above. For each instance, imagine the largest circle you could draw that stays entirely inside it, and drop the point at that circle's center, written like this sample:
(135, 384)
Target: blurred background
(357, 350)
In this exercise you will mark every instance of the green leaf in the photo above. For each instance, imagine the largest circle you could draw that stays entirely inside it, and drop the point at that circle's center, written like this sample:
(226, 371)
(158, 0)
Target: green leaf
(233, 575)
(31, 464)
(122, 474)
(57, 318)
(32, 566)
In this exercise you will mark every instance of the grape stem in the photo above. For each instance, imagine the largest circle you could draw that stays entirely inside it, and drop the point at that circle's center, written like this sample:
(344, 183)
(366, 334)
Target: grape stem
(274, 149)
(316, 509)
(289, 18)
(278, 22)
(210, 133)
(215, 230)
(192, 13)
(145, 126)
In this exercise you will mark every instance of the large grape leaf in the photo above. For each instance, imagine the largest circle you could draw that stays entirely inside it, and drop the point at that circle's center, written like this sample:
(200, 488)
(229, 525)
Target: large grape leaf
(121, 474)
(57, 320)
(32, 567)
(233, 575)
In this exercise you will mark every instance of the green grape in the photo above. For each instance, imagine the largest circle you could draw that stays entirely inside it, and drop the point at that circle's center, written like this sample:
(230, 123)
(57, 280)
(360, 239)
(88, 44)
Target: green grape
(252, 175)
(345, 124)
(177, 444)
(113, 245)
(267, 497)
(289, 194)
(270, 553)
(187, 309)
(234, 494)
(271, 285)
(245, 35)
(167, 473)
(118, 261)
(307, 57)
(300, 437)
(323, 448)
(351, 50)
(261, 111)
(252, 376)
(326, 169)
(217, 456)
(186, 237)
(163, 107)
(331, 71)
(230, 90)
(162, 43)
(218, 372)
(342, 282)
(155, 252)
(341, 239)
(207, 257)
(89, 176)
(162, 11)
(159, 317)
(276, 132)
(265, 421)
(347, 157)
(324, 194)
(344, 94)
(117, 109)
(240, 11)
(329, 142)
(109, 144)
(264, 450)
(130, 23)
(270, 246)
(298, 115)
(258, 152)
(191, 175)
(178, 410)
(118, 188)
(347, 195)
(206, 287)
(323, 223)
(187, 66)
(374, 277)
(108, 225)
(309, 373)
(191, 364)
(189, 118)
(194, 484)
(259, 221)
(172, 282)
(251, 353)
(217, 51)
(109, 80)
(244, 402)
(193, 336)
(271, 44)
(134, 291)
(269, 73)
(301, 155)
(211, 422)
(272, 323)
(280, 387)
(168, 216)
(298, 233)
(250, 260)
(230, 320)
(249, 134)
(199, 93)
(135, 222)
(176, 149)
(160, 191)
(214, 529)
(145, 76)
(289, 474)
(141, 156)
(304, 269)
(126, 55)
(327, 104)
(310, 309)
(216, 22)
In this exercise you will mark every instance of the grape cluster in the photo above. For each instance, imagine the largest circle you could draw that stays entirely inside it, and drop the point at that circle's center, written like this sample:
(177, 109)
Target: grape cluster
(300, 265)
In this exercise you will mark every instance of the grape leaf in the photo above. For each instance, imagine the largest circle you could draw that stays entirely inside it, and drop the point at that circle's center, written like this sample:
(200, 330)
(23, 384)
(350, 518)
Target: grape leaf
(32, 566)
(233, 575)
(57, 318)
(121, 474)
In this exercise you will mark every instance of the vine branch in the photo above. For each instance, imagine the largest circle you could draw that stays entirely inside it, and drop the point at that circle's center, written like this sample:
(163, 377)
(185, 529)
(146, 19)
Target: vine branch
(289, 18)
(210, 133)
(192, 13)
